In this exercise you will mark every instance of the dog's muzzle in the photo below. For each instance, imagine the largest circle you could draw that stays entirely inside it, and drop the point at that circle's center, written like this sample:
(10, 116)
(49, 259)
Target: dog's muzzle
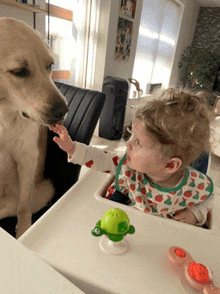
(50, 116)
(57, 113)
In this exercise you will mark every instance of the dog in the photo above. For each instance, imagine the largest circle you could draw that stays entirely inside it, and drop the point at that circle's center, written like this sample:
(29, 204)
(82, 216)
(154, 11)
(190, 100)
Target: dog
(29, 103)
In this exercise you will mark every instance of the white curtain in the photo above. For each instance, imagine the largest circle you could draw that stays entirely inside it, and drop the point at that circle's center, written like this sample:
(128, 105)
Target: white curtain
(85, 21)
(158, 34)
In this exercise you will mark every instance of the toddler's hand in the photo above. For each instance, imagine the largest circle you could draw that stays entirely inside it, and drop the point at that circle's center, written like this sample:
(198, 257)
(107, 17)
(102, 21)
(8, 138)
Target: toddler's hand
(64, 141)
(186, 216)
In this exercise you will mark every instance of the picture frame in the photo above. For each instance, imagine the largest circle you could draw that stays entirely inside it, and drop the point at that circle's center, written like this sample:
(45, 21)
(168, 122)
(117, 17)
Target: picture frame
(128, 8)
(123, 39)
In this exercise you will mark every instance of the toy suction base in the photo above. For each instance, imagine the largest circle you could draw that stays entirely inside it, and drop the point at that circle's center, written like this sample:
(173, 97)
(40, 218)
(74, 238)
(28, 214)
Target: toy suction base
(189, 289)
(113, 248)
(177, 274)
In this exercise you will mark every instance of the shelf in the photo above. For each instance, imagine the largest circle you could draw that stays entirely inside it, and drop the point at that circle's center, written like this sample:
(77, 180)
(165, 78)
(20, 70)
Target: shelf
(23, 6)
(59, 12)
(58, 74)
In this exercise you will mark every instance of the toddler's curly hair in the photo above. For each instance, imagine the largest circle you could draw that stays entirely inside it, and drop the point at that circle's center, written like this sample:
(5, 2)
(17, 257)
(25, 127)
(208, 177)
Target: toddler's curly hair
(180, 121)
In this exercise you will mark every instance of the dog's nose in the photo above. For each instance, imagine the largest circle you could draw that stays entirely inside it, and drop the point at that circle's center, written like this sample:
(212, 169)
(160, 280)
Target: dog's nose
(59, 108)
(58, 111)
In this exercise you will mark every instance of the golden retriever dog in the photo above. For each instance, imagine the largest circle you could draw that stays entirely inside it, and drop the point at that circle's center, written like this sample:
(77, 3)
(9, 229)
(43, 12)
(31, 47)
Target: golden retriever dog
(29, 103)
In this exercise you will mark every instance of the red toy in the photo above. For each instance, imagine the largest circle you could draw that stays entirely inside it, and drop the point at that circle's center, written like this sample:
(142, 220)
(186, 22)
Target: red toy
(198, 275)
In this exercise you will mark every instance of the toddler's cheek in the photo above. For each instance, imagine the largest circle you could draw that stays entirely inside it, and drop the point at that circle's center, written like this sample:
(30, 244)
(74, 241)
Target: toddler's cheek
(135, 155)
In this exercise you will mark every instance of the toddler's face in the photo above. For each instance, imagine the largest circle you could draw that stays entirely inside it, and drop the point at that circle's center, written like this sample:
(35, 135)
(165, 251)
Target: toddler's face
(143, 153)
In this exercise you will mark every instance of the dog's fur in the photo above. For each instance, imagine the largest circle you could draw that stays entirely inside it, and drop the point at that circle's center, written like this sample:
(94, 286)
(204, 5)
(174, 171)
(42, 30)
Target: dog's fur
(29, 102)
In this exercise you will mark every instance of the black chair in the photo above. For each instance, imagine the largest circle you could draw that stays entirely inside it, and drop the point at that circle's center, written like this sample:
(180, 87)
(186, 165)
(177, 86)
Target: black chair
(85, 107)
(201, 163)
(84, 110)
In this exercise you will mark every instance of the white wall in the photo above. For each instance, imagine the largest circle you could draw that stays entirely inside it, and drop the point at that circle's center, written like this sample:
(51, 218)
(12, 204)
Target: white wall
(106, 65)
(123, 69)
(102, 43)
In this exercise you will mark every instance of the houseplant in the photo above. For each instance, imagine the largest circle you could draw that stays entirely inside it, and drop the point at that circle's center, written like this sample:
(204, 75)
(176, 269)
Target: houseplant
(201, 68)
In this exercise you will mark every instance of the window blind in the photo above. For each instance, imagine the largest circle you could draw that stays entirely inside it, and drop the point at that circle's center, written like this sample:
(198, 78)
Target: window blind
(157, 38)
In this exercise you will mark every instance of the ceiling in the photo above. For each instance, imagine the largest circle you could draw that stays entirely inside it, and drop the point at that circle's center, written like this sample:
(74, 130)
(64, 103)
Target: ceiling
(209, 3)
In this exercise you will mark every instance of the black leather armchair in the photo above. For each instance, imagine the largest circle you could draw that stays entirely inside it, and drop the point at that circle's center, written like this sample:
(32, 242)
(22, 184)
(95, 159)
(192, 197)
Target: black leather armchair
(84, 110)
(85, 107)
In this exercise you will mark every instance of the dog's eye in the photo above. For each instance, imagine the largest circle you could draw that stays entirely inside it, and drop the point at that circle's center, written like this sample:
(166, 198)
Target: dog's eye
(49, 68)
(20, 72)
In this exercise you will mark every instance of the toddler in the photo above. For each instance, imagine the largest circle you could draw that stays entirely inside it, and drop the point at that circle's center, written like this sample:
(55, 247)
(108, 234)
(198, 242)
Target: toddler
(154, 175)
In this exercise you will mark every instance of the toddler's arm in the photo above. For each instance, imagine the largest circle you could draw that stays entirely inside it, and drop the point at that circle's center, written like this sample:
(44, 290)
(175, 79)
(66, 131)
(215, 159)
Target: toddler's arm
(64, 141)
(201, 210)
(186, 216)
(196, 215)
(79, 153)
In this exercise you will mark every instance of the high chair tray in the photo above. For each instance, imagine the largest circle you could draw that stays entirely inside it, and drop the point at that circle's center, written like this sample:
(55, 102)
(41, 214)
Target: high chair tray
(22, 272)
(62, 237)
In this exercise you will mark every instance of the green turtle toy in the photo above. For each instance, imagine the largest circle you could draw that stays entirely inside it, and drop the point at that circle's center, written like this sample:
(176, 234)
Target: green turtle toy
(115, 224)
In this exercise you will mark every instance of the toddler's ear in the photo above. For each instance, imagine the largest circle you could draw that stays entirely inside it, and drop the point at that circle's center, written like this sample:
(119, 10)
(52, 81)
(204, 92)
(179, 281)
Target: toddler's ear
(173, 165)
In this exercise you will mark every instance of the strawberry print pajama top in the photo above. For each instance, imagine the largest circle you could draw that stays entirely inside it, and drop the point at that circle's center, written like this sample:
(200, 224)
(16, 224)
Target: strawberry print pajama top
(194, 192)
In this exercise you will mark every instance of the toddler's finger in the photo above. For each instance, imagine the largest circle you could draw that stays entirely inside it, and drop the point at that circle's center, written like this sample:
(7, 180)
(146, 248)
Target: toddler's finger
(179, 217)
(59, 129)
(55, 139)
(54, 129)
(62, 129)
(58, 141)
(51, 128)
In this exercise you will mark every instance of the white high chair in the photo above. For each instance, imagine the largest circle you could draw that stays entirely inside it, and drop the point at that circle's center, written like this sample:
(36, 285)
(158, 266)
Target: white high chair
(62, 238)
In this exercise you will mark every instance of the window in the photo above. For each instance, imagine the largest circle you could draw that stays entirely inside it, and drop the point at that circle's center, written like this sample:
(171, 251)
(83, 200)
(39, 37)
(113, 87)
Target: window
(73, 33)
(158, 34)
(59, 26)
